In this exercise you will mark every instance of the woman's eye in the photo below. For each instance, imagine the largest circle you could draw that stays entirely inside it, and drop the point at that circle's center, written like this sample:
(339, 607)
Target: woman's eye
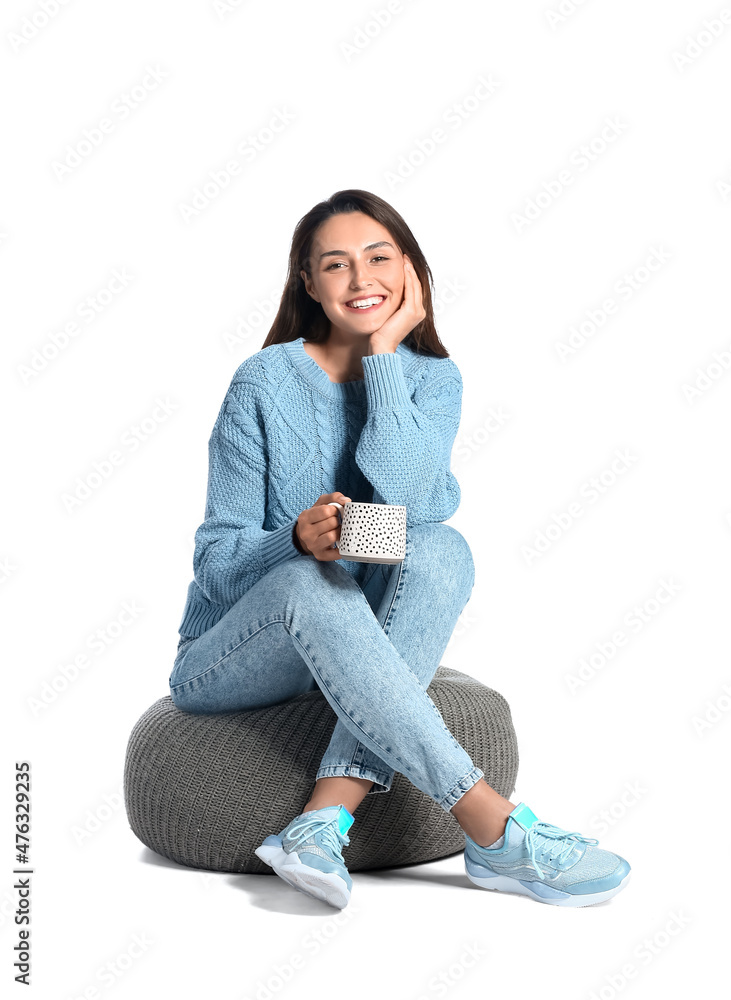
(340, 263)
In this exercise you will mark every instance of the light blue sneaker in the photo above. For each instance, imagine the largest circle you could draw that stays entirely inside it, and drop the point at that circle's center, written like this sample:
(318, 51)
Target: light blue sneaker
(546, 863)
(306, 854)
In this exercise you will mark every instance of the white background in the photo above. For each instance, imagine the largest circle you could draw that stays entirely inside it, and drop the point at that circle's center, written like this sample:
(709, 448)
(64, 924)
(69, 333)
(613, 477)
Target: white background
(644, 734)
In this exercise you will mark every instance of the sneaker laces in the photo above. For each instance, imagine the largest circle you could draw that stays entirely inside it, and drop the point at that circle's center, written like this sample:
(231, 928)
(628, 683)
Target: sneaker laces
(540, 841)
(304, 828)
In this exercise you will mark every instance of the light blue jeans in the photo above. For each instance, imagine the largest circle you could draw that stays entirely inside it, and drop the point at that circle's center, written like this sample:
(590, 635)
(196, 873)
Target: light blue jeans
(371, 641)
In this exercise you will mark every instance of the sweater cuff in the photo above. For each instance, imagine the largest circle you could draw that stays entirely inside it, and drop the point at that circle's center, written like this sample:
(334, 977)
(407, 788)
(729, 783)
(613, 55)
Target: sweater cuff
(277, 546)
(385, 384)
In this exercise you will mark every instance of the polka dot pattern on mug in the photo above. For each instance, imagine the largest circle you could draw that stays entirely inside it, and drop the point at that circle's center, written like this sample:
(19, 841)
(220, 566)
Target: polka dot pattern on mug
(373, 532)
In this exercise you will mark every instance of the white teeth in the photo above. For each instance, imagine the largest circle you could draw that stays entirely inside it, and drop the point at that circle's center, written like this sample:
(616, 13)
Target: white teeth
(365, 303)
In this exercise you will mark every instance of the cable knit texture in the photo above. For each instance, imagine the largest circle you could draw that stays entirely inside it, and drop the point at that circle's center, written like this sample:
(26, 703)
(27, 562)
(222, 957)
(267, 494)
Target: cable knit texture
(285, 434)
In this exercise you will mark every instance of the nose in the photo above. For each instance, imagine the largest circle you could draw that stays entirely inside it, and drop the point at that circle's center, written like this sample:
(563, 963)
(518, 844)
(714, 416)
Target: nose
(360, 276)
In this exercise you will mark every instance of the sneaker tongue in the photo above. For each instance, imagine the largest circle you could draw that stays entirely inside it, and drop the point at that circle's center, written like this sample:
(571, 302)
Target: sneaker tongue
(521, 819)
(345, 820)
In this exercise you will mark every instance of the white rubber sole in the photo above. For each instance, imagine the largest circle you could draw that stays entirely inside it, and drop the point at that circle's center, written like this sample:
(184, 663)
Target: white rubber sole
(503, 883)
(325, 886)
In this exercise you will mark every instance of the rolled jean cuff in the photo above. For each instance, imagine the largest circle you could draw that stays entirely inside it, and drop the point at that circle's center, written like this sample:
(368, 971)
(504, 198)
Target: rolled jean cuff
(462, 786)
(381, 779)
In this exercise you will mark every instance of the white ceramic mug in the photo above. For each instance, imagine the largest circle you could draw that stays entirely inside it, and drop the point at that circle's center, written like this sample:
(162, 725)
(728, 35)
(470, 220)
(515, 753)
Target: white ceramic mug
(372, 532)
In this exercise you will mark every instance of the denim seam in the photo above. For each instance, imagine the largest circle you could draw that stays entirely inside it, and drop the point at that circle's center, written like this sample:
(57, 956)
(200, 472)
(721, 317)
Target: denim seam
(477, 772)
(361, 748)
(246, 639)
(404, 767)
(388, 618)
(383, 777)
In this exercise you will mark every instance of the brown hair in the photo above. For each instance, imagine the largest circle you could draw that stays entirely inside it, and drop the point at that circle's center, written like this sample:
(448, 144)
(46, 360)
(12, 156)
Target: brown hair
(299, 314)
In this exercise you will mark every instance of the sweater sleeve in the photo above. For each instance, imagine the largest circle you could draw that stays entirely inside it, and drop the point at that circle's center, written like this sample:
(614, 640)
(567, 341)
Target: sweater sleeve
(232, 549)
(405, 446)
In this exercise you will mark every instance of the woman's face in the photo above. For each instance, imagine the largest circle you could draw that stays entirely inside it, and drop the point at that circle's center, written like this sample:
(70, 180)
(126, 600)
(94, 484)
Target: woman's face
(355, 257)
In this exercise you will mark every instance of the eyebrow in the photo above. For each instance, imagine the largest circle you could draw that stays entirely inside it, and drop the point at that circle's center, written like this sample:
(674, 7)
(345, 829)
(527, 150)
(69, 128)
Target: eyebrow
(344, 253)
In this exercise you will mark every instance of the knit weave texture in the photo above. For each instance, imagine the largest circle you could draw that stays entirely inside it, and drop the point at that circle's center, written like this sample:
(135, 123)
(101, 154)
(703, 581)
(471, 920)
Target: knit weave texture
(285, 434)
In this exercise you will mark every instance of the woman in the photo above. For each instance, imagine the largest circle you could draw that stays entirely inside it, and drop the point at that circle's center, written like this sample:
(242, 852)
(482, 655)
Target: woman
(353, 389)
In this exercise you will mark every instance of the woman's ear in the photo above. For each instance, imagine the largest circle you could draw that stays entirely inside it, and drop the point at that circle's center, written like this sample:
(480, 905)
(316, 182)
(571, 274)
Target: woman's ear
(308, 285)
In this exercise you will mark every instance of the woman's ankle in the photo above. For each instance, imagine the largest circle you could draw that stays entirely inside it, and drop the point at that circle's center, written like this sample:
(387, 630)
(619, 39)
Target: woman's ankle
(338, 790)
(482, 813)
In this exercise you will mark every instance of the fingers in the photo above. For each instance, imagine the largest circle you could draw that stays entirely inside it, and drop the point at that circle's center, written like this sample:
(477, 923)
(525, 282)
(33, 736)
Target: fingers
(412, 289)
(322, 547)
(328, 555)
(320, 526)
(327, 497)
(411, 292)
(322, 508)
(321, 512)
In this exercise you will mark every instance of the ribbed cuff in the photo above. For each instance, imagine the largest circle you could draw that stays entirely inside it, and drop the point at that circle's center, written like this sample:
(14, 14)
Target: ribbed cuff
(385, 384)
(199, 613)
(277, 546)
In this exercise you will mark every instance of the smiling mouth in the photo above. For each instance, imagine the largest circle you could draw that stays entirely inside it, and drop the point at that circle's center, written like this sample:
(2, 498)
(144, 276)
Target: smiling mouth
(365, 304)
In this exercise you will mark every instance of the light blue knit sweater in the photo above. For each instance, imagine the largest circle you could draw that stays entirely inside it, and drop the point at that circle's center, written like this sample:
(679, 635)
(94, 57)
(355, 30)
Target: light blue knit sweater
(285, 434)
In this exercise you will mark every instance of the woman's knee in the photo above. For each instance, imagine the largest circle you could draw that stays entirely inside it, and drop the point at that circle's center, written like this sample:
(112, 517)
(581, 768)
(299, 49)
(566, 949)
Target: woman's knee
(313, 587)
(303, 573)
(443, 551)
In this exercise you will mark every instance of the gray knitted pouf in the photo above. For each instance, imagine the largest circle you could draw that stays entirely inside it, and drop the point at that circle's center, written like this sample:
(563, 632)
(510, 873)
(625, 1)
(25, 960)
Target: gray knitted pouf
(205, 790)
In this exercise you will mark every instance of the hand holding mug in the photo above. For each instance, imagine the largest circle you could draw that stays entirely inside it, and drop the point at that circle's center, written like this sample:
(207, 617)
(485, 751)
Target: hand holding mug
(318, 527)
(372, 532)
